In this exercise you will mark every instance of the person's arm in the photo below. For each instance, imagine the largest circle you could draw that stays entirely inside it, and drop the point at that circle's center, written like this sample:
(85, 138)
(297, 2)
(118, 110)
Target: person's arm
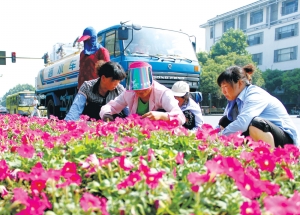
(114, 106)
(76, 108)
(253, 106)
(170, 105)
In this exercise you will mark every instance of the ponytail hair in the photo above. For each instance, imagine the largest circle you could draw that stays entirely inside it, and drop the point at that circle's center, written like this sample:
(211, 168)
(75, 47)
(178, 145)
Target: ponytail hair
(249, 70)
(235, 73)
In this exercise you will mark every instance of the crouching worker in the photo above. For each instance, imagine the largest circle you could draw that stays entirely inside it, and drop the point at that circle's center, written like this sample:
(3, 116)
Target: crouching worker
(190, 109)
(144, 97)
(254, 111)
(95, 93)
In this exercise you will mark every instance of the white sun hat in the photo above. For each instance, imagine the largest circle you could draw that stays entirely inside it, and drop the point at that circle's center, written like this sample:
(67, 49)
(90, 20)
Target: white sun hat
(180, 88)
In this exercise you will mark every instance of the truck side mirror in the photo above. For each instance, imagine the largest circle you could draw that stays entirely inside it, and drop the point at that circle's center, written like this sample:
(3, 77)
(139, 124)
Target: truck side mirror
(194, 46)
(123, 33)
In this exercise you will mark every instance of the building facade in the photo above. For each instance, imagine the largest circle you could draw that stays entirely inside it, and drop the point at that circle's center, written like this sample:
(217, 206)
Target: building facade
(272, 29)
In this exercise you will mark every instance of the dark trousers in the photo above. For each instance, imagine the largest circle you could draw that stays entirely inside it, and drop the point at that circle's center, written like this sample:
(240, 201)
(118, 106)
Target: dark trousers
(280, 137)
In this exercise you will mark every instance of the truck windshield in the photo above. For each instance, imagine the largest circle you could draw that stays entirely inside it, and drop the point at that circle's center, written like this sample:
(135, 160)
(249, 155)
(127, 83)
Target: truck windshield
(25, 100)
(160, 42)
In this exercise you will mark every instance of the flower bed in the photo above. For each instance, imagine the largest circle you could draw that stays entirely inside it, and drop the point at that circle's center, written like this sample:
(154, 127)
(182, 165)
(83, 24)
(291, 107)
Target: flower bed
(140, 167)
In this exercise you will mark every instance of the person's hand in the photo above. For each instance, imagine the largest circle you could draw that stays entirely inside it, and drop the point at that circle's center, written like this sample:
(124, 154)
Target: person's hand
(156, 115)
(108, 117)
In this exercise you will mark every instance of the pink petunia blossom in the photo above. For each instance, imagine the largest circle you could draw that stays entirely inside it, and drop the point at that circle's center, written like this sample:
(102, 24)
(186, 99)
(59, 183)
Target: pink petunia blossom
(266, 162)
(280, 205)
(38, 185)
(88, 202)
(288, 172)
(26, 151)
(125, 163)
(250, 208)
(249, 186)
(4, 170)
(150, 154)
(198, 179)
(152, 179)
(69, 167)
(179, 158)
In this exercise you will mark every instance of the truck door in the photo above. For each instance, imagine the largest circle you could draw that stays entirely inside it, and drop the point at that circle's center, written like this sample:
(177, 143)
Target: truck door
(112, 44)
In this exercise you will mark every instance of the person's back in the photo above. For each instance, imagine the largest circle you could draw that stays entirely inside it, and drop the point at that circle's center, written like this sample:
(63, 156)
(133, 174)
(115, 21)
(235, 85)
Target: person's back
(274, 110)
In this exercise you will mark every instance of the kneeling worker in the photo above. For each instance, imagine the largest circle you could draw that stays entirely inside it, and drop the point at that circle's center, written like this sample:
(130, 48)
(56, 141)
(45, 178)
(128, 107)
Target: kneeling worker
(95, 93)
(144, 97)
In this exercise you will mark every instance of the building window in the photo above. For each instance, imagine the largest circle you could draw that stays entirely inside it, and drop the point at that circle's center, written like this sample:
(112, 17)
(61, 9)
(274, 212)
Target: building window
(211, 32)
(256, 17)
(257, 58)
(290, 6)
(255, 39)
(243, 22)
(286, 31)
(286, 54)
(274, 13)
(228, 24)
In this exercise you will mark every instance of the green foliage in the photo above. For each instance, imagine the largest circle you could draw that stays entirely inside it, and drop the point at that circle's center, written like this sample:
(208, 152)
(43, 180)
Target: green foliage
(283, 80)
(231, 41)
(290, 82)
(273, 79)
(18, 88)
(214, 67)
(202, 57)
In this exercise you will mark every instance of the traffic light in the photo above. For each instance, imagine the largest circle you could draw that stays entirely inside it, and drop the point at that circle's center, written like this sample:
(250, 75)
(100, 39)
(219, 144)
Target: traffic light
(46, 58)
(13, 57)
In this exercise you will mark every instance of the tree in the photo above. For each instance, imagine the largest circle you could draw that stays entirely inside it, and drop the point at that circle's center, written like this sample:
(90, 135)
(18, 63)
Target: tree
(273, 79)
(284, 85)
(202, 57)
(231, 41)
(16, 89)
(214, 67)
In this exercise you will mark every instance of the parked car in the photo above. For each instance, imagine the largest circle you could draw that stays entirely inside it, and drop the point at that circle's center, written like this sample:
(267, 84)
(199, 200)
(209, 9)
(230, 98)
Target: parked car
(3, 110)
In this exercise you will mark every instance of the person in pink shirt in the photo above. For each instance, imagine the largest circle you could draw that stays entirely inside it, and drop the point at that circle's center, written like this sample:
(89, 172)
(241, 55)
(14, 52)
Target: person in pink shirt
(144, 97)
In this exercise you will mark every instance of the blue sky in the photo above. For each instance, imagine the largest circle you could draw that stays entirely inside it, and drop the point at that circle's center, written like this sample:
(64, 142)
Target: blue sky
(31, 27)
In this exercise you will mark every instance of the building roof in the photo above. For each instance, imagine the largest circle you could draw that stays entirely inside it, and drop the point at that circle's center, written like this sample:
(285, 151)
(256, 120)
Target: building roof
(239, 11)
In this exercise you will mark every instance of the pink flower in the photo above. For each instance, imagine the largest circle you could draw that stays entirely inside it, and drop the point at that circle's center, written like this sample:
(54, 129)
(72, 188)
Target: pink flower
(280, 205)
(250, 208)
(69, 167)
(150, 154)
(88, 202)
(198, 179)
(38, 185)
(152, 179)
(125, 164)
(132, 179)
(270, 188)
(3, 191)
(266, 162)
(288, 172)
(249, 186)
(232, 166)
(179, 158)
(20, 195)
(26, 151)
(4, 170)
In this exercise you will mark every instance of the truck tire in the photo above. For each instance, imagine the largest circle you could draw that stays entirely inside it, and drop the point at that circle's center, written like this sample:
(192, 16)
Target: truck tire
(51, 109)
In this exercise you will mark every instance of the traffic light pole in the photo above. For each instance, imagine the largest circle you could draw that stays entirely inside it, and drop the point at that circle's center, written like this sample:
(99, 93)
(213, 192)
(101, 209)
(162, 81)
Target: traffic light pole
(23, 57)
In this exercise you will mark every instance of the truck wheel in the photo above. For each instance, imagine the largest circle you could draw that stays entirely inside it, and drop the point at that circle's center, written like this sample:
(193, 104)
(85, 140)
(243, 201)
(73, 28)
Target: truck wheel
(51, 109)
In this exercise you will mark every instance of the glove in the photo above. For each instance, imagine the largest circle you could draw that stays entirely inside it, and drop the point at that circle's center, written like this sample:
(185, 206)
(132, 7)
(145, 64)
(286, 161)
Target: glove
(108, 117)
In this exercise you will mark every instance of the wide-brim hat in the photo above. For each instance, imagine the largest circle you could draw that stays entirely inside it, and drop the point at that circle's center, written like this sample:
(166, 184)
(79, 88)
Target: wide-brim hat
(139, 76)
